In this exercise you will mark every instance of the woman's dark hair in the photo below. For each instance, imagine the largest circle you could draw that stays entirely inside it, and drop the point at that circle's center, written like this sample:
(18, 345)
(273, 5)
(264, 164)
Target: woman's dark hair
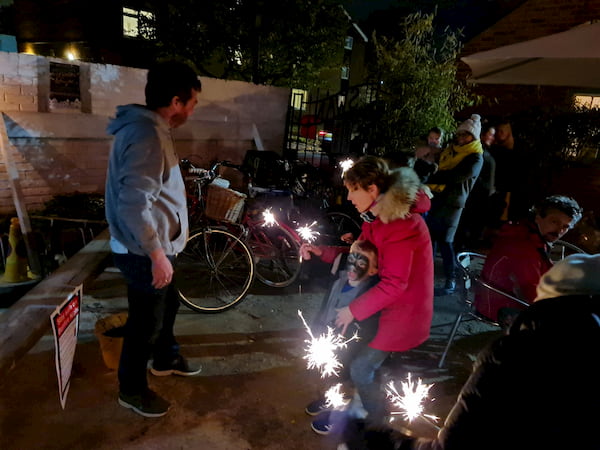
(168, 79)
(561, 203)
(370, 170)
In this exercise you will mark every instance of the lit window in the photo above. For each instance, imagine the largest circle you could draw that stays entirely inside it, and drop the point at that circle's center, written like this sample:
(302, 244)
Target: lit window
(298, 98)
(587, 101)
(137, 23)
(345, 72)
(349, 43)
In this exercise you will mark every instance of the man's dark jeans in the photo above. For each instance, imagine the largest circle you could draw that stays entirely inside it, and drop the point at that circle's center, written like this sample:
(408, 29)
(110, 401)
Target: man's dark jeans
(149, 328)
(440, 230)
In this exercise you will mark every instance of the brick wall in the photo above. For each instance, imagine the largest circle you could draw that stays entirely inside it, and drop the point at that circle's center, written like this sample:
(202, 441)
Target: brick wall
(61, 152)
(533, 19)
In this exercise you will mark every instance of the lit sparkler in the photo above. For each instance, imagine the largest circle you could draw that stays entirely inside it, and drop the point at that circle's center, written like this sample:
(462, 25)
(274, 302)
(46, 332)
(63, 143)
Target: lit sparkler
(335, 398)
(307, 233)
(269, 218)
(321, 350)
(345, 165)
(410, 401)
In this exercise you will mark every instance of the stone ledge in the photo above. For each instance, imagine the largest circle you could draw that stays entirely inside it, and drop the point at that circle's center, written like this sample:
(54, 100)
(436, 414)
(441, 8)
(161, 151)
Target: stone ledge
(25, 322)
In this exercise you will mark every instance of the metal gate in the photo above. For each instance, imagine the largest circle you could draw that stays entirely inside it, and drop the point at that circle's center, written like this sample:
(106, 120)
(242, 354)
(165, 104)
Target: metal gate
(318, 127)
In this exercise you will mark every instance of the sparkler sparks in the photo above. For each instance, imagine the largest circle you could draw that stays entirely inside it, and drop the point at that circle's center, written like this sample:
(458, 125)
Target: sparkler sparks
(411, 400)
(307, 233)
(321, 350)
(334, 398)
(269, 218)
(345, 165)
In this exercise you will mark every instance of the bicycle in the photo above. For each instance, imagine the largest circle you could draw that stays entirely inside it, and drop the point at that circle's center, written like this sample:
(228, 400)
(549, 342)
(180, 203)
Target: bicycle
(275, 245)
(274, 249)
(215, 270)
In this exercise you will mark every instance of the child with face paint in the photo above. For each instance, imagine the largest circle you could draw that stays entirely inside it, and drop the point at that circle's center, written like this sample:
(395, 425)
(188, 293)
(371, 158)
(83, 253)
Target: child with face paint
(358, 277)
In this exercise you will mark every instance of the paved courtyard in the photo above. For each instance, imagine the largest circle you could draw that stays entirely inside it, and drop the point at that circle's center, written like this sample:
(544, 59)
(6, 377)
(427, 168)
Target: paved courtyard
(250, 395)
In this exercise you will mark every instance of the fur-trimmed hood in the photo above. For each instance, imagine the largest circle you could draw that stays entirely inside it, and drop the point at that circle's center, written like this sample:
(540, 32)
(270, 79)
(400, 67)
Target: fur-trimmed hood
(397, 202)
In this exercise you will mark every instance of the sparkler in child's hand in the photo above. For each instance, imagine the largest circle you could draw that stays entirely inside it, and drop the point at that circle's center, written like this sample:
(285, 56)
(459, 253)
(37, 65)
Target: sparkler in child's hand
(307, 233)
(334, 398)
(411, 400)
(321, 350)
(268, 218)
(345, 165)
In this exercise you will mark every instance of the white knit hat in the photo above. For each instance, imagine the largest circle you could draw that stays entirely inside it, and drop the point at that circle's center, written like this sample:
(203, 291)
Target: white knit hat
(577, 274)
(472, 125)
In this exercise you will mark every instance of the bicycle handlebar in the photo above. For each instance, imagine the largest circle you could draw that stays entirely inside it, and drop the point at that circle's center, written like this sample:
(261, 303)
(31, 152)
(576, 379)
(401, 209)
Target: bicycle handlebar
(206, 176)
(226, 163)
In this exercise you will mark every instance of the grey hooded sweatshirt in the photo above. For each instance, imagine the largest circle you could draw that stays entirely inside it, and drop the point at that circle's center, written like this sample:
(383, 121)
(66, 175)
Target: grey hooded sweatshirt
(145, 194)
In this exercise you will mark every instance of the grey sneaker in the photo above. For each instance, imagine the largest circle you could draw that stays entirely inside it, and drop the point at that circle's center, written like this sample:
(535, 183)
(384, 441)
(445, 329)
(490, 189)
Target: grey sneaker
(179, 366)
(148, 404)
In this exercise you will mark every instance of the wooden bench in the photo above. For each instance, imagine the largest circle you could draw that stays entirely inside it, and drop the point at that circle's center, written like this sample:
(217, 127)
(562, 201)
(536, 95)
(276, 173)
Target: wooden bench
(25, 322)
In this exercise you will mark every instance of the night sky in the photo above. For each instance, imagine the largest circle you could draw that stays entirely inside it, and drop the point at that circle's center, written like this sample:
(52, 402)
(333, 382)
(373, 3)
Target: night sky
(360, 9)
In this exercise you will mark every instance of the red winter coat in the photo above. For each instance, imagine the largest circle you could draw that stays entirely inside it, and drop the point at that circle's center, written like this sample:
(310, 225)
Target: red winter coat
(404, 294)
(515, 263)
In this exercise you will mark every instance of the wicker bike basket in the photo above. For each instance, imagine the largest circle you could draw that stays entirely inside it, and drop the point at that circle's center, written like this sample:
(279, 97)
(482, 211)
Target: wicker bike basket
(224, 204)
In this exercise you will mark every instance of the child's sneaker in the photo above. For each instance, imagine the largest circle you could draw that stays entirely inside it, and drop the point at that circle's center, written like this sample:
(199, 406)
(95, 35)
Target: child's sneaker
(322, 424)
(329, 422)
(317, 407)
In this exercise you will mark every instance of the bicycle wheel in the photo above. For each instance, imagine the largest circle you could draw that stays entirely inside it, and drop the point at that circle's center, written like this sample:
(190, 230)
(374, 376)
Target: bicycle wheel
(338, 223)
(214, 272)
(276, 255)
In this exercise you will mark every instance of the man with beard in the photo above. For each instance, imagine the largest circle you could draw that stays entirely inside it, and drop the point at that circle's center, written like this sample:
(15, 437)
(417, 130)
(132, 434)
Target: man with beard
(520, 256)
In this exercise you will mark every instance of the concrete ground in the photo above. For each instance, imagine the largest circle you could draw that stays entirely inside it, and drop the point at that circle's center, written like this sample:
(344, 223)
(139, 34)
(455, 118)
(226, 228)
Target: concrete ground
(251, 393)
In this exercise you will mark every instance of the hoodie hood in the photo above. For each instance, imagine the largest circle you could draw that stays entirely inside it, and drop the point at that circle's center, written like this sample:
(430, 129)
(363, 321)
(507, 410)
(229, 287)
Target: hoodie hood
(397, 202)
(128, 114)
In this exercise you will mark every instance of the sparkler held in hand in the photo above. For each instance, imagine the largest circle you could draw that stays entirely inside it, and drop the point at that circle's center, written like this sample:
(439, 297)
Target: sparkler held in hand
(269, 218)
(307, 233)
(410, 401)
(335, 398)
(345, 165)
(321, 350)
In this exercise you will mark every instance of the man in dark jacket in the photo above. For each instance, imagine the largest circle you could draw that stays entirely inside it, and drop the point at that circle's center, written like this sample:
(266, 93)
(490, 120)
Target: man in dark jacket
(536, 387)
(520, 256)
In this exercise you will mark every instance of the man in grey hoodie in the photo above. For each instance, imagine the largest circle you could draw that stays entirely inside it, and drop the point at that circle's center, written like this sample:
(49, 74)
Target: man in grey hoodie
(147, 217)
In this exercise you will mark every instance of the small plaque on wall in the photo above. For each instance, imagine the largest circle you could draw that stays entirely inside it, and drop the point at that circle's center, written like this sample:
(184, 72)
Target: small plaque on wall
(65, 92)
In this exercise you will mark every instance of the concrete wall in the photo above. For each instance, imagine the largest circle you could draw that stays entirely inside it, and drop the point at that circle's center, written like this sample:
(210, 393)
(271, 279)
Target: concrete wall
(65, 151)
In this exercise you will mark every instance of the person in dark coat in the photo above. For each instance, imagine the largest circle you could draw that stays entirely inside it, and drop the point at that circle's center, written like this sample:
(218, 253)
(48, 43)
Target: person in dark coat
(459, 167)
(535, 388)
(478, 210)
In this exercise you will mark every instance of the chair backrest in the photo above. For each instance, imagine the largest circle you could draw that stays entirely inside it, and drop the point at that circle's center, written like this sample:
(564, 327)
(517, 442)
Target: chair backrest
(471, 265)
(561, 249)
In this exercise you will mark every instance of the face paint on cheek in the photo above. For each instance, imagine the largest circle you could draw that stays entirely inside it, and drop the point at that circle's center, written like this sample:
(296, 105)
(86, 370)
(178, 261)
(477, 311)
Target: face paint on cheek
(357, 266)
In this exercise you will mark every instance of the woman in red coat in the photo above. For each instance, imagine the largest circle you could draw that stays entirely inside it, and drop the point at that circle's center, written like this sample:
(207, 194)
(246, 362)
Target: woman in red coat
(390, 204)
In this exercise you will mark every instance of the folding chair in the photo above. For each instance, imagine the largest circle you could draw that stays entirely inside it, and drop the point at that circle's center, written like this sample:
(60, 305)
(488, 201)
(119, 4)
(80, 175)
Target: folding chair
(471, 265)
(561, 249)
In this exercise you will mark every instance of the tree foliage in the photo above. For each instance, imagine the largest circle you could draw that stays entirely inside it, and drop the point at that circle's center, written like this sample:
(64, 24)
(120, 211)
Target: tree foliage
(419, 88)
(274, 42)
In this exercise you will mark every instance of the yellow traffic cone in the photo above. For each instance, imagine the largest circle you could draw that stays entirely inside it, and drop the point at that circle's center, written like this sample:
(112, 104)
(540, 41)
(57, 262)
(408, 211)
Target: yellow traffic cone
(16, 260)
